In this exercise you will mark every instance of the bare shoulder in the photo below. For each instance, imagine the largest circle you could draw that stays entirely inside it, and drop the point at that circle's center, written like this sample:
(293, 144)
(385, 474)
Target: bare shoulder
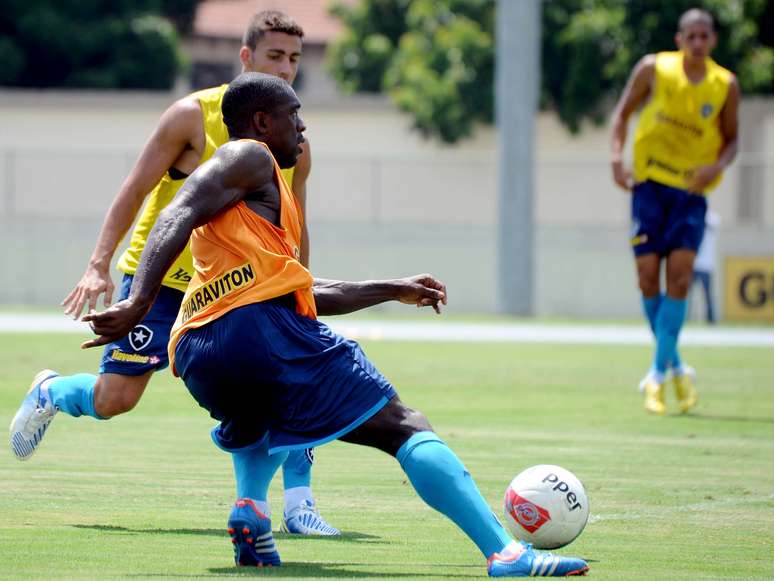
(731, 106)
(649, 60)
(641, 80)
(248, 149)
(646, 66)
(185, 116)
(245, 160)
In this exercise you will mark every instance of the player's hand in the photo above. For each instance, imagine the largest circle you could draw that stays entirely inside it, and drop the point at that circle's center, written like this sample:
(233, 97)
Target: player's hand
(622, 176)
(93, 283)
(701, 177)
(114, 323)
(422, 290)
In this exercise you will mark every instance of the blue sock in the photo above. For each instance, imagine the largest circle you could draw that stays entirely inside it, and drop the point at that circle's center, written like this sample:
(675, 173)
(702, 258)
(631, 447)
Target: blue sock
(442, 481)
(254, 468)
(671, 317)
(651, 306)
(677, 363)
(74, 394)
(297, 469)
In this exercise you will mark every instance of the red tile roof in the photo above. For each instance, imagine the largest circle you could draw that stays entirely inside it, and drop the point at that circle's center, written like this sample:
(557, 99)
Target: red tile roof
(228, 18)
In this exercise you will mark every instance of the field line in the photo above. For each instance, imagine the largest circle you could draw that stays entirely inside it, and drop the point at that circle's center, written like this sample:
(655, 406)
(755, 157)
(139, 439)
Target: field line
(376, 330)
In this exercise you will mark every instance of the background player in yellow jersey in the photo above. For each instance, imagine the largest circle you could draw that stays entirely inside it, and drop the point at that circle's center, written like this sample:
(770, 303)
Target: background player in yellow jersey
(686, 136)
(187, 135)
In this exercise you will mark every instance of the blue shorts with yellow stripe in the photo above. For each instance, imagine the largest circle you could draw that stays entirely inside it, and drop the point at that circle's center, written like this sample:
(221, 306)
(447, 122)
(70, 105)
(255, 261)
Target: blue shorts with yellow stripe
(666, 219)
(144, 349)
(263, 369)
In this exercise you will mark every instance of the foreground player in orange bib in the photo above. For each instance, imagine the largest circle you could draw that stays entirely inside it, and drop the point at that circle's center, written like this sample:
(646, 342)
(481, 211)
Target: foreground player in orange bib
(686, 136)
(251, 351)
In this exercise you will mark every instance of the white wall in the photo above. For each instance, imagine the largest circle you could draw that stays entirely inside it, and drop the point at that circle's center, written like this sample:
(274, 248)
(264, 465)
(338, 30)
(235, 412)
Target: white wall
(382, 202)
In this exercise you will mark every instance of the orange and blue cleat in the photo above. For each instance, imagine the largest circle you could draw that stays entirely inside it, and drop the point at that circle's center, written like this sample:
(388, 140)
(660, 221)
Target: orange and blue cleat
(531, 563)
(250, 532)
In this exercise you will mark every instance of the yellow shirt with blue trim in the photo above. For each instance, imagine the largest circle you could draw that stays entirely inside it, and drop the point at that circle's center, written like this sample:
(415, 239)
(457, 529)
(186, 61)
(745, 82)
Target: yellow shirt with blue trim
(216, 134)
(679, 129)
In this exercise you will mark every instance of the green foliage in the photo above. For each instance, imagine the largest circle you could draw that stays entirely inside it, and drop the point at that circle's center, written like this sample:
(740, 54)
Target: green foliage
(360, 57)
(12, 59)
(436, 59)
(586, 57)
(443, 71)
(92, 43)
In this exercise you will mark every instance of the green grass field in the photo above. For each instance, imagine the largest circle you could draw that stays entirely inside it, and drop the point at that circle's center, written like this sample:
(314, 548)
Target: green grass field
(147, 495)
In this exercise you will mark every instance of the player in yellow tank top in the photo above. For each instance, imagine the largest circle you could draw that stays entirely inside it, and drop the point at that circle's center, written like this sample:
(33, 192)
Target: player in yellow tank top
(215, 135)
(187, 135)
(679, 128)
(686, 136)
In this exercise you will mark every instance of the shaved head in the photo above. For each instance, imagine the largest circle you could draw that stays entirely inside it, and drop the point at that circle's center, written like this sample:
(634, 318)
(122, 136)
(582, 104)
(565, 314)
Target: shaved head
(251, 92)
(696, 16)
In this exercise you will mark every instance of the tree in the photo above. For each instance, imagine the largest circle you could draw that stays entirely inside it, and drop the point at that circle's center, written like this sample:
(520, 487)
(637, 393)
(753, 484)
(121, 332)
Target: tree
(436, 58)
(92, 43)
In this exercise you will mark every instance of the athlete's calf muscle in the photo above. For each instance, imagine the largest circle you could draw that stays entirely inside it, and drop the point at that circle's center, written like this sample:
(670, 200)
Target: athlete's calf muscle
(116, 394)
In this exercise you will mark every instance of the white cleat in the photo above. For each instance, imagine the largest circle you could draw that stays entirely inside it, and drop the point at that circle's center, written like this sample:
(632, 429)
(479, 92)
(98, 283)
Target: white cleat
(304, 519)
(32, 420)
(650, 377)
(686, 369)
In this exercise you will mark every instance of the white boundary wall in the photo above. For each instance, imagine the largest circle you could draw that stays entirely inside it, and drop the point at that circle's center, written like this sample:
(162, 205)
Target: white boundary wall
(382, 202)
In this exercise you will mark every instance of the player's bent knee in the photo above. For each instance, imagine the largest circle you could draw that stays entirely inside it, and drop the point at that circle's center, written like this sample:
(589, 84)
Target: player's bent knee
(678, 285)
(389, 429)
(401, 424)
(649, 285)
(416, 421)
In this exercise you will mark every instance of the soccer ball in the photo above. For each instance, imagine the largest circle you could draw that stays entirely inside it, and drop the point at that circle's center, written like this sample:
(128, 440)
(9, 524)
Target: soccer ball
(547, 506)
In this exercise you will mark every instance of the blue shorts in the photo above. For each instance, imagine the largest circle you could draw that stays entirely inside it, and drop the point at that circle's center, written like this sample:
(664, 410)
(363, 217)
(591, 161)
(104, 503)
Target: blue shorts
(666, 219)
(262, 369)
(145, 347)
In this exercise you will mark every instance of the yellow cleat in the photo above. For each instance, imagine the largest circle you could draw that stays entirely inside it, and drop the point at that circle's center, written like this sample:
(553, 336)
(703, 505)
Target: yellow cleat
(654, 397)
(687, 396)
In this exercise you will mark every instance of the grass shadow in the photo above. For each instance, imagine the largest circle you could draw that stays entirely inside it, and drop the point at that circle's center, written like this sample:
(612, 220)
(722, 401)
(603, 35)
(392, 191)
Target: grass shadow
(345, 537)
(306, 570)
(125, 530)
(326, 570)
(722, 418)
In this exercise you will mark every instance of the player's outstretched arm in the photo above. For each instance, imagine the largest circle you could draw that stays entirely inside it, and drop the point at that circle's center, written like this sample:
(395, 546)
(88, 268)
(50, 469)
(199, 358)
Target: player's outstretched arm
(634, 94)
(236, 170)
(338, 297)
(178, 128)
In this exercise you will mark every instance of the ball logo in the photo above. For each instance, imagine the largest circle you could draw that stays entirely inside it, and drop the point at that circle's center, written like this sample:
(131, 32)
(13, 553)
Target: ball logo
(528, 514)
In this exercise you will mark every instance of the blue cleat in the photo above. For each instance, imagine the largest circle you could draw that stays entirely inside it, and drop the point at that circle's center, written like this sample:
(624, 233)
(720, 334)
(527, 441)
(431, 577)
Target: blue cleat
(531, 563)
(305, 520)
(250, 532)
(31, 421)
